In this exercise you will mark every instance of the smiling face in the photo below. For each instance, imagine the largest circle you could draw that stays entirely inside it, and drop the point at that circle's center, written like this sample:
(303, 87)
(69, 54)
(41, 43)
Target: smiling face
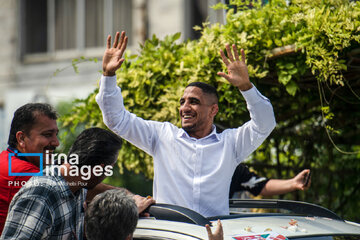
(197, 112)
(41, 137)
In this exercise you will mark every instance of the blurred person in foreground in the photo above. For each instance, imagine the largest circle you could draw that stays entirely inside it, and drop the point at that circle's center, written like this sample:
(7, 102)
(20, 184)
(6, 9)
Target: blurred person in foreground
(112, 215)
(52, 206)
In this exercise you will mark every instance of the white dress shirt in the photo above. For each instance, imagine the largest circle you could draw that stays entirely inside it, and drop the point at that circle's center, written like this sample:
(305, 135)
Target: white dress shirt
(190, 172)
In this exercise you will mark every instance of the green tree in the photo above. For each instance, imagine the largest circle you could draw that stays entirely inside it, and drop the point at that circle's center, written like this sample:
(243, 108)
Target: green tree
(304, 56)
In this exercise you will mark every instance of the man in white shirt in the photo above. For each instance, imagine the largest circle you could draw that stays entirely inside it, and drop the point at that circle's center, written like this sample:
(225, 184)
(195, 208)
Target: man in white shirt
(193, 165)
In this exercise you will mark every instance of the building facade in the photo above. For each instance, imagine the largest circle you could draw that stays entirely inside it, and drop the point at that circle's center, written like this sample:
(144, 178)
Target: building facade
(41, 40)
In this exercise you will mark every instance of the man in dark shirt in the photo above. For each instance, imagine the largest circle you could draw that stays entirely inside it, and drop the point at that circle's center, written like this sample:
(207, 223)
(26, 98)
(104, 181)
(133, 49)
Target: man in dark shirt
(245, 180)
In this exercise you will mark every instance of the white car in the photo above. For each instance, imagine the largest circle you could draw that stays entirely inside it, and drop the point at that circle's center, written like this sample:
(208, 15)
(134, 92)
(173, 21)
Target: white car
(301, 221)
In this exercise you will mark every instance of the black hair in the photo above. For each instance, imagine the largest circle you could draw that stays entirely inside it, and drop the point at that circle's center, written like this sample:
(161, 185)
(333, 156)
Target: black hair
(111, 215)
(206, 88)
(95, 146)
(25, 117)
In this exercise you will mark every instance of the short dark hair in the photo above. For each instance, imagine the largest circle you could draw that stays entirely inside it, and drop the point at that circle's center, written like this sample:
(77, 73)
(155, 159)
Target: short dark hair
(206, 88)
(25, 117)
(111, 215)
(95, 146)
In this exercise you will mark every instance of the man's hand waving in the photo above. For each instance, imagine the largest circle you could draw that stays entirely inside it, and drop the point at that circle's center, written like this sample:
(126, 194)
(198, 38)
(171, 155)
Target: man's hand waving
(237, 69)
(112, 59)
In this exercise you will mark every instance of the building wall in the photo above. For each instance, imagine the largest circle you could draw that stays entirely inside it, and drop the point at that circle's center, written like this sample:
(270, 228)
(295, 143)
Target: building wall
(166, 17)
(8, 40)
(8, 64)
(30, 79)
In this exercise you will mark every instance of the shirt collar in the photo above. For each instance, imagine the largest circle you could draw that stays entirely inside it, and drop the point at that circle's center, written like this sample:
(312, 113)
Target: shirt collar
(13, 150)
(183, 134)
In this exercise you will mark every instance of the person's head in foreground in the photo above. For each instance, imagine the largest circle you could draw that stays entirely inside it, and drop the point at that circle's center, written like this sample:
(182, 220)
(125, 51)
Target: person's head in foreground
(111, 215)
(96, 147)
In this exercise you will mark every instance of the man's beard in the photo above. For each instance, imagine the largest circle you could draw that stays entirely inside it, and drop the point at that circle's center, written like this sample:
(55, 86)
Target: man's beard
(189, 128)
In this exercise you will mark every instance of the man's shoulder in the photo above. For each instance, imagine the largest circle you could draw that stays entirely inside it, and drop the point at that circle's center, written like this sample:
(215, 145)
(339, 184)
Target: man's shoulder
(21, 166)
(4, 157)
(42, 190)
(41, 186)
(228, 133)
(44, 182)
(166, 127)
(164, 124)
(17, 165)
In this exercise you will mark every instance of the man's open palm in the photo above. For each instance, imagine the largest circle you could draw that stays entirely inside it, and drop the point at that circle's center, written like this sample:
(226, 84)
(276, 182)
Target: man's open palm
(237, 69)
(112, 59)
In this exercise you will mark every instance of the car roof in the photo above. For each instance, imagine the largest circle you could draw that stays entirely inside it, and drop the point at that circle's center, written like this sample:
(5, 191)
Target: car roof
(306, 226)
(148, 227)
(174, 222)
(289, 226)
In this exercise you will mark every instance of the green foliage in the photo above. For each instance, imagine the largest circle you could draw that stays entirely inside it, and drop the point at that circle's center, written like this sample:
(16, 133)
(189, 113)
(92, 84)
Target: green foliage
(68, 133)
(74, 64)
(297, 56)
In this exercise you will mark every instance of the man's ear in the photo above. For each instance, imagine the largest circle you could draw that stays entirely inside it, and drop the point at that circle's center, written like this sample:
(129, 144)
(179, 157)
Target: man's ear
(214, 109)
(129, 237)
(20, 137)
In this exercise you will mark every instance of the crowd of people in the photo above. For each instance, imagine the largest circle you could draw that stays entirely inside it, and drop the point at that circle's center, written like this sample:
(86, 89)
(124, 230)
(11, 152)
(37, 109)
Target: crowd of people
(194, 166)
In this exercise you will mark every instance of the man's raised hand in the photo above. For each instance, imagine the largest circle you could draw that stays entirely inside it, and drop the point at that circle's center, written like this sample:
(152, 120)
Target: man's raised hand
(112, 59)
(237, 69)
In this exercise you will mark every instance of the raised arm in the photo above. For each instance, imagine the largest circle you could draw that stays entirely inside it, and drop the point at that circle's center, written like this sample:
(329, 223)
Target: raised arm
(112, 58)
(282, 186)
(251, 134)
(237, 69)
(135, 130)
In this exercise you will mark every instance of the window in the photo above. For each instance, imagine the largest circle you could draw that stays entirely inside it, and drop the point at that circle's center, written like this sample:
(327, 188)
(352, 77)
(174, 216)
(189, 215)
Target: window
(34, 25)
(200, 11)
(63, 23)
(49, 26)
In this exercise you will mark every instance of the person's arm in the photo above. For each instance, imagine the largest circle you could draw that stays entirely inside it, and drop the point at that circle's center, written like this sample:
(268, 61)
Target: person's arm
(254, 132)
(139, 132)
(246, 180)
(282, 186)
(141, 202)
(28, 218)
(218, 233)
